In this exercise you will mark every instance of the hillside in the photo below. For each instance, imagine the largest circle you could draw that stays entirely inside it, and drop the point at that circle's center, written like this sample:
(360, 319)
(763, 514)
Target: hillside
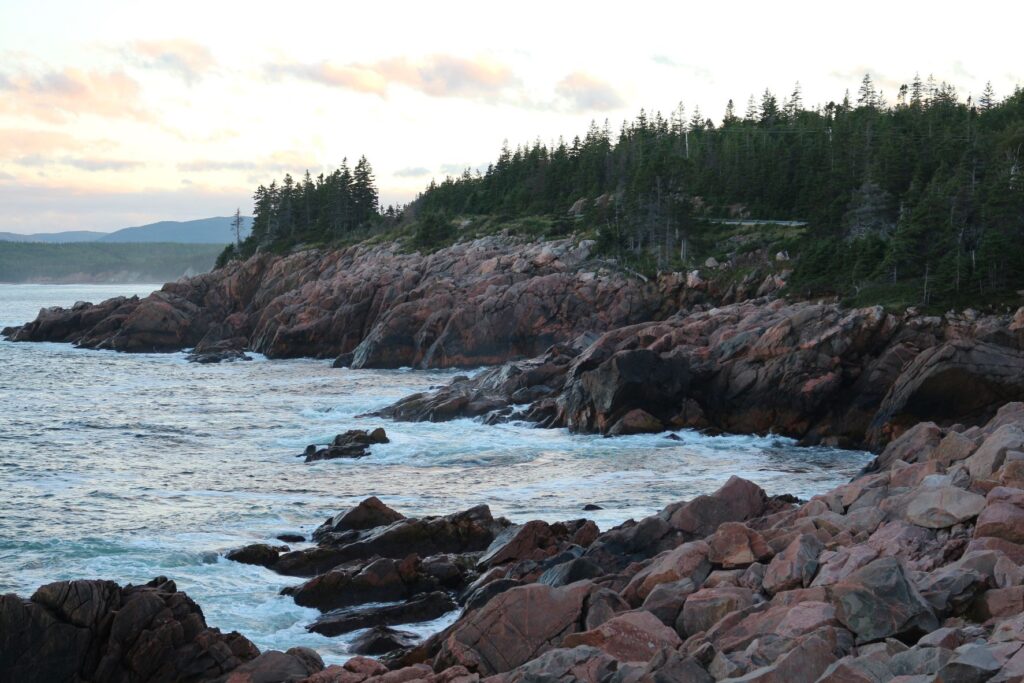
(216, 230)
(96, 262)
(917, 202)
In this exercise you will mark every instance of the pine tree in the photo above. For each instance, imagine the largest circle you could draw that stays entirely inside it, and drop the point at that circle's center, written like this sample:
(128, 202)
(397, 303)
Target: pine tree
(988, 97)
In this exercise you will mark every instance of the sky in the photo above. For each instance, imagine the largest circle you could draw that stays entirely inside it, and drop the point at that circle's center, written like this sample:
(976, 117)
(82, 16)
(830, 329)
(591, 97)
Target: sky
(123, 113)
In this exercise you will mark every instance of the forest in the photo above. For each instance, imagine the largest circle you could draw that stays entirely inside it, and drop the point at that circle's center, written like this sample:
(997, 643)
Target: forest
(914, 201)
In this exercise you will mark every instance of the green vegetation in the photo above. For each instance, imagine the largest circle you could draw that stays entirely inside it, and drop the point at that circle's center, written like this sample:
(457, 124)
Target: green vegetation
(917, 202)
(102, 261)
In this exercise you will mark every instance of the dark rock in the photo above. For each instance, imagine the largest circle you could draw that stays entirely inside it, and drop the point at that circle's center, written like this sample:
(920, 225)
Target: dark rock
(878, 601)
(382, 580)
(368, 514)
(571, 572)
(462, 532)
(381, 639)
(590, 507)
(418, 609)
(261, 554)
(355, 443)
(99, 631)
(291, 538)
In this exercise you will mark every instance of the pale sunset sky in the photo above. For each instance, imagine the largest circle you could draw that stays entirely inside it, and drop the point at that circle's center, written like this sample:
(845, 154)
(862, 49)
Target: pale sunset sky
(122, 113)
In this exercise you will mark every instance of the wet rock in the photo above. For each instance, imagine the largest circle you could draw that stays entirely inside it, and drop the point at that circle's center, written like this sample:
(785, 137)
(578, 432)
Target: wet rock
(381, 640)
(291, 538)
(415, 610)
(590, 507)
(532, 541)
(570, 572)
(382, 580)
(368, 514)
(261, 554)
(355, 443)
(462, 532)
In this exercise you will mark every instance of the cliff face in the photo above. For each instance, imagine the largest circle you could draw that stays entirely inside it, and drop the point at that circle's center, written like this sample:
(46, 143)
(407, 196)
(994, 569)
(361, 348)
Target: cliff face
(476, 303)
(816, 372)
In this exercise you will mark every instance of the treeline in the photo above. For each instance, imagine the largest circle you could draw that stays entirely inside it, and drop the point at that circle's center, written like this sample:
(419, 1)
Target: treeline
(328, 207)
(924, 194)
(919, 199)
(98, 262)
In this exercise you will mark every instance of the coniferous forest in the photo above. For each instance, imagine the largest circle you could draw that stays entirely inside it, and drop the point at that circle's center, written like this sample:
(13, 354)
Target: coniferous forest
(917, 200)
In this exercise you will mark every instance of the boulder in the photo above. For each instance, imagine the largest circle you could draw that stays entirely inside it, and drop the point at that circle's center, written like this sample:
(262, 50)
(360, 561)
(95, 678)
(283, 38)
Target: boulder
(382, 580)
(736, 545)
(1003, 516)
(688, 561)
(355, 443)
(706, 607)
(515, 627)
(261, 554)
(630, 637)
(794, 567)
(878, 601)
(941, 507)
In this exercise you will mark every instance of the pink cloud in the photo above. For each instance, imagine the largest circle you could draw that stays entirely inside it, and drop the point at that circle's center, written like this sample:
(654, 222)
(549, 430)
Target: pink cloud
(55, 96)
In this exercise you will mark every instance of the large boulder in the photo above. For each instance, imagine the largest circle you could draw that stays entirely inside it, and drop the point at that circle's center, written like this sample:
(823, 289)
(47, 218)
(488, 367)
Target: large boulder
(515, 627)
(879, 601)
(368, 514)
(630, 637)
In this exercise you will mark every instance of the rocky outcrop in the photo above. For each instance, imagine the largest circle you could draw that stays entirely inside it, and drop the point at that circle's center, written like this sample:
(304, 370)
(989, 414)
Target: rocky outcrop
(816, 372)
(475, 303)
(99, 631)
(354, 443)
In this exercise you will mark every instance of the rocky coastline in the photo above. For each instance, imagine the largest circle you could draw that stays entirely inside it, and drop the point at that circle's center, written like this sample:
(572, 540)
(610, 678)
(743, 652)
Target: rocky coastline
(911, 572)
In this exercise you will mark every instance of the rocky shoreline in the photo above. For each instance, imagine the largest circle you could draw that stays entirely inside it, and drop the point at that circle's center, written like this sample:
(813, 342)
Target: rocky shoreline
(912, 572)
(579, 343)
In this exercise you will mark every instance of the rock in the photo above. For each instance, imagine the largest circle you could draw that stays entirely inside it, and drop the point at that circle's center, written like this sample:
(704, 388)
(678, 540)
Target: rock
(291, 538)
(583, 664)
(804, 664)
(382, 580)
(415, 610)
(533, 540)
(736, 545)
(97, 630)
(355, 443)
(971, 663)
(461, 532)
(515, 627)
(942, 507)
(381, 640)
(590, 507)
(368, 514)
(736, 501)
(570, 572)
(1003, 516)
(706, 607)
(261, 554)
(295, 665)
(636, 421)
(688, 561)
(917, 444)
(950, 381)
(991, 454)
(630, 637)
(795, 566)
(878, 601)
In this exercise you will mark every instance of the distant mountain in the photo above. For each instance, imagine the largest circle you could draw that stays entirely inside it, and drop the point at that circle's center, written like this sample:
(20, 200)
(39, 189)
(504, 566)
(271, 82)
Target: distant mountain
(54, 237)
(202, 231)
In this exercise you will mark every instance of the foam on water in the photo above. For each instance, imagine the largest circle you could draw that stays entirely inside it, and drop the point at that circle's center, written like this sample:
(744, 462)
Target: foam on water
(129, 466)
